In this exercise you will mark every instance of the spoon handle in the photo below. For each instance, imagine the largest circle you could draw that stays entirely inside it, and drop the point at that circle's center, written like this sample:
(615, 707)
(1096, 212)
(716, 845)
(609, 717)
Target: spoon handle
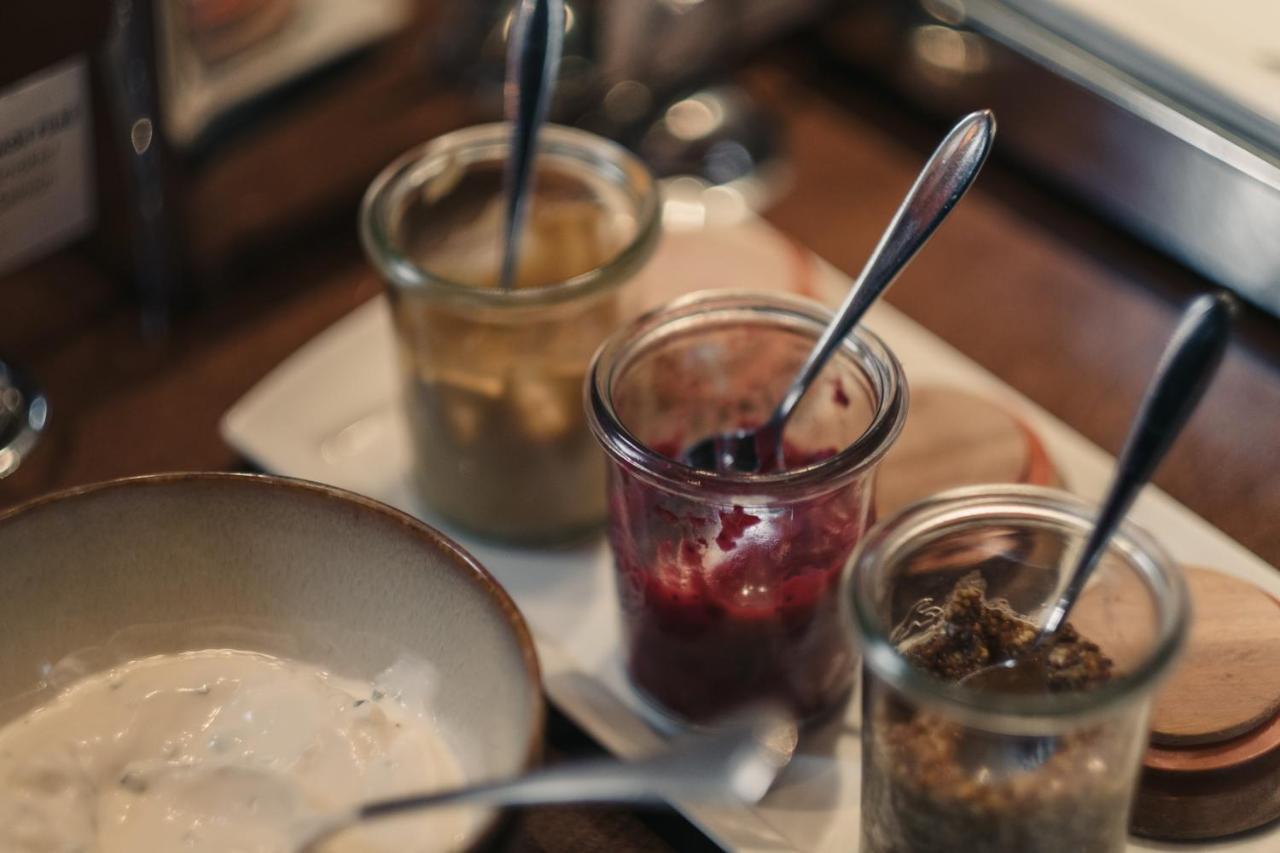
(584, 782)
(737, 763)
(533, 54)
(945, 178)
(602, 781)
(1188, 363)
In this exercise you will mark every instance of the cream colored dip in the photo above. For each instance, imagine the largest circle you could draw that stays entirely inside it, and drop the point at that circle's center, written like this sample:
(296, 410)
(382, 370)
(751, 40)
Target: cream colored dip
(221, 751)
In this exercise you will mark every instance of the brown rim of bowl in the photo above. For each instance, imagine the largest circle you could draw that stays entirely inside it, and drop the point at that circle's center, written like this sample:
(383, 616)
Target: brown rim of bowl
(470, 566)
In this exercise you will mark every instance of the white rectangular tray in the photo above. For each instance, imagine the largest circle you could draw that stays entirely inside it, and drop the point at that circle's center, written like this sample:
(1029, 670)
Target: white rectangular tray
(329, 413)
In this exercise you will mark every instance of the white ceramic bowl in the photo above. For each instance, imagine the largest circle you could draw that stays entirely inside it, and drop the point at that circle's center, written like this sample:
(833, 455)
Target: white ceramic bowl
(182, 561)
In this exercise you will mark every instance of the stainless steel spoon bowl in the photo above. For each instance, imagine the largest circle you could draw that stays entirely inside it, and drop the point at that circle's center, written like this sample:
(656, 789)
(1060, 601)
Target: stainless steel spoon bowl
(945, 178)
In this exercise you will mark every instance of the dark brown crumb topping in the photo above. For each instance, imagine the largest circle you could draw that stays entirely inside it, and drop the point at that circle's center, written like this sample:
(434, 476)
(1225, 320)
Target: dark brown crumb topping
(972, 633)
(933, 784)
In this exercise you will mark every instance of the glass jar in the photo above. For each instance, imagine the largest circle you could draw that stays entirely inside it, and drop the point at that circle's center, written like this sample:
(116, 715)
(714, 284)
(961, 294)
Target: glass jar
(492, 377)
(729, 583)
(956, 582)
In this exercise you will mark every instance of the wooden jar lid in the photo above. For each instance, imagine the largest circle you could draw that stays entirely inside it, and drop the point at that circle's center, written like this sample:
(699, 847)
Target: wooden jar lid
(1228, 681)
(952, 438)
(1214, 758)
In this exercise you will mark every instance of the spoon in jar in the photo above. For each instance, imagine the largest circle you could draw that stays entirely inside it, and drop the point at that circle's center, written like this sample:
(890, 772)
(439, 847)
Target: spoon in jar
(737, 761)
(1188, 363)
(533, 55)
(945, 178)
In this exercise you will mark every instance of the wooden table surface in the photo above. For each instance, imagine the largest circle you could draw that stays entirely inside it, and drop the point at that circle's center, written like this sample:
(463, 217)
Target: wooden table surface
(1060, 306)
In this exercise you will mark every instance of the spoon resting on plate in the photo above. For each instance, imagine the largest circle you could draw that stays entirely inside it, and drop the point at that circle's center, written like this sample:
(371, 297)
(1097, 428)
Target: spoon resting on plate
(944, 179)
(737, 761)
(1188, 363)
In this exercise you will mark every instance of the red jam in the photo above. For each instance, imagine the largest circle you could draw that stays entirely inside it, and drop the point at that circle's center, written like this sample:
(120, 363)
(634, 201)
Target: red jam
(727, 605)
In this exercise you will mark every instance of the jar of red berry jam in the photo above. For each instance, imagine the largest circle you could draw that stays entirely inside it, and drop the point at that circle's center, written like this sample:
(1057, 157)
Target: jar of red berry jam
(729, 582)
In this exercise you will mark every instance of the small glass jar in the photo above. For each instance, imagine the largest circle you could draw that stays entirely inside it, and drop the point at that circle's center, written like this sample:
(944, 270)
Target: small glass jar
(729, 583)
(956, 582)
(492, 377)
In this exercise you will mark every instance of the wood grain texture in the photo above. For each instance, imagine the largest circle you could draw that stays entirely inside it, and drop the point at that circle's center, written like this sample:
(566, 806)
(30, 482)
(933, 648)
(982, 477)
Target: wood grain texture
(1210, 791)
(1228, 680)
(1229, 755)
(1213, 767)
(952, 438)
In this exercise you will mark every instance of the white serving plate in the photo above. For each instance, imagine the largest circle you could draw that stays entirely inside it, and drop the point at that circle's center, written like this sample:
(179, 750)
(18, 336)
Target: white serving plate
(329, 413)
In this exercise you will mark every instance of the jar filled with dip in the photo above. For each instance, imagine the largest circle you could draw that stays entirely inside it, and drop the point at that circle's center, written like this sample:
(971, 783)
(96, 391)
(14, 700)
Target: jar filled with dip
(1047, 763)
(729, 582)
(493, 377)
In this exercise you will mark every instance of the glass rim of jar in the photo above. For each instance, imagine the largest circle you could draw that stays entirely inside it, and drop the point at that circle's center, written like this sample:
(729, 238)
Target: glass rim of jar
(950, 509)
(873, 358)
(490, 142)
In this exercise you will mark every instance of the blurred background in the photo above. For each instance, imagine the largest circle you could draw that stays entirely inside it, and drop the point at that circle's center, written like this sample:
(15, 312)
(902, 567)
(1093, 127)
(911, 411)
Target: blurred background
(199, 132)
(179, 181)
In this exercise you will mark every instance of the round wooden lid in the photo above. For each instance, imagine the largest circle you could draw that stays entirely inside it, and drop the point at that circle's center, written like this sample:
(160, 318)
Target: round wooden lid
(952, 438)
(1228, 681)
(1192, 793)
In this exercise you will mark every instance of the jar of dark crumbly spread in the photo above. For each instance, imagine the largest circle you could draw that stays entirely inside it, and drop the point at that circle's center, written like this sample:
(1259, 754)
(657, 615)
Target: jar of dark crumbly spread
(729, 583)
(959, 581)
(493, 378)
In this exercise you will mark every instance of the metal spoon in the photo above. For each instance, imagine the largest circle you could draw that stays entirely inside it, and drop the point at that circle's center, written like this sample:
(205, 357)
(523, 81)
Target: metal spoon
(533, 54)
(945, 178)
(1188, 363)
(739, 760)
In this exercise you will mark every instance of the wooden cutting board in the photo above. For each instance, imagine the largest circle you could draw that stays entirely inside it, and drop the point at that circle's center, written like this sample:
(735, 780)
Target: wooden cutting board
(953, 438)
